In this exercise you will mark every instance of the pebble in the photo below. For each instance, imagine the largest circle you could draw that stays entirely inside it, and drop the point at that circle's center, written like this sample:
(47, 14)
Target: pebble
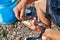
(16, 31)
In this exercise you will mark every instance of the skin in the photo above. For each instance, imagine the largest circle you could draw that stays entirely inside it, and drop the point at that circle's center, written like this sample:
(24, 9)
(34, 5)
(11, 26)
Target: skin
(41, 10)
(20, 9)
(52, 34)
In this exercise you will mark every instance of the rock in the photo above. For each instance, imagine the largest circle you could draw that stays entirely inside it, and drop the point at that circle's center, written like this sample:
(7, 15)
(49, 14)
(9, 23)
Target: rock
(1, 27)
(14, 33)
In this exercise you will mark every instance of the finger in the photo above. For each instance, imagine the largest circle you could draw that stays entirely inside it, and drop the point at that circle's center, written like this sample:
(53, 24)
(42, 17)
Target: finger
(45, 38)
(33, 24)
(22, 13)
(34, 18)
(38, 19)
(19, 6)
(16, 11)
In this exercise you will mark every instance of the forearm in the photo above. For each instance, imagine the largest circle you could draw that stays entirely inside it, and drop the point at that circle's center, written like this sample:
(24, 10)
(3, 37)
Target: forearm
(28, 1)
(53, 34)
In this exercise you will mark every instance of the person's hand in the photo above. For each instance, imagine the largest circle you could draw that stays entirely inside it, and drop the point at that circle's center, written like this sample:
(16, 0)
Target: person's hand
(20, 10)
(45, 38)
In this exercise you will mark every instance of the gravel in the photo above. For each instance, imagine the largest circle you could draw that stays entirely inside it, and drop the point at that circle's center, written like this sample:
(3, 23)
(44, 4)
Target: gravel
(17, 31)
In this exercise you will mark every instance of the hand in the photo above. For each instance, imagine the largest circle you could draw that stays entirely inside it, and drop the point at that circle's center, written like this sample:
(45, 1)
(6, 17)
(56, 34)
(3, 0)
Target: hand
(45, 38)
(20, 10)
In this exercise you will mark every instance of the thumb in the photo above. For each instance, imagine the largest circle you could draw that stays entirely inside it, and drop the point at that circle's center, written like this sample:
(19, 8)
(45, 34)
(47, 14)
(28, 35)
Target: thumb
(22, 13)
(45, 38)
